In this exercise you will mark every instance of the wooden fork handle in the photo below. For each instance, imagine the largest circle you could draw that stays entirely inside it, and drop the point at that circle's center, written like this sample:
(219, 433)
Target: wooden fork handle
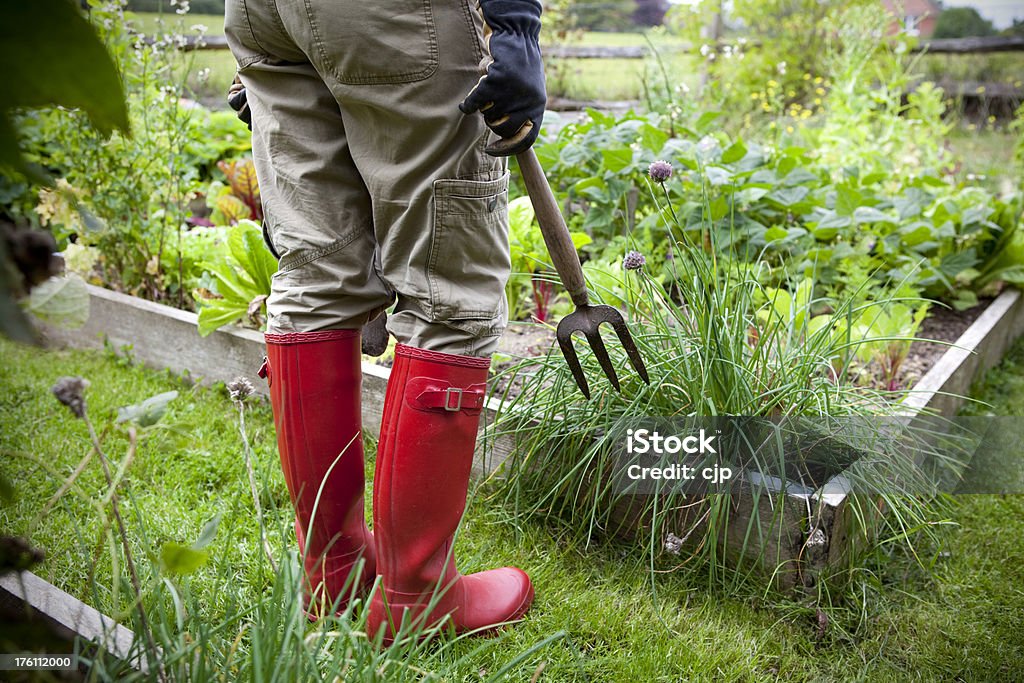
(553, 228)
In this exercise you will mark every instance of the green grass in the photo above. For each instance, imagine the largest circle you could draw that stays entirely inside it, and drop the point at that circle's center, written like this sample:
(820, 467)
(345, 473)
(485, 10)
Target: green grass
(962, 622)
(1001, 390)
(605, 79)
(988, 152)
(153, 22)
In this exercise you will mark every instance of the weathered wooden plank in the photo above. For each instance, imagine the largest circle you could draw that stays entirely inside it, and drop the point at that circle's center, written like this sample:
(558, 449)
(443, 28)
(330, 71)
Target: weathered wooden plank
(979, 348)
(598, 52)
(165, 337)
(982, 89)
(192, 43)
(569, 104)
(936, 46)
(977, 45)
(71, 613)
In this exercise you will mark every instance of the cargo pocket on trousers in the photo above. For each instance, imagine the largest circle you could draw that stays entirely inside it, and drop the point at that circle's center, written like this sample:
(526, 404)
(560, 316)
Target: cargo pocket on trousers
(469, 261)
(384, 42)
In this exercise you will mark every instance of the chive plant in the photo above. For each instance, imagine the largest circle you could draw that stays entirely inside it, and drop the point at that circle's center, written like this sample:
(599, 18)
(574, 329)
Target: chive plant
(717, 343)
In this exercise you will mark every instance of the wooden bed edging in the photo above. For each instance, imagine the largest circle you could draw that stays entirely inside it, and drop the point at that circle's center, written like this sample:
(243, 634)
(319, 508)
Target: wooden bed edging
(72, 616)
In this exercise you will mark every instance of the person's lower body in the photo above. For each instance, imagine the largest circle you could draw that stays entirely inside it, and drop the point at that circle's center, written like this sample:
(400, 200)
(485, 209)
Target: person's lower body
(376, 189)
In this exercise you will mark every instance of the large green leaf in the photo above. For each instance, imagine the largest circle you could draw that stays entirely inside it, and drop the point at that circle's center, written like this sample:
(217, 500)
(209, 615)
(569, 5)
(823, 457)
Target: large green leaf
(789, 196)
(847, 200)
(869, 214)
(520, 217)
(247, 246)
(230, 284)
(617, 159)
(179, 559)
(50, 55)
(149, 412)
(216, 313)
(208, 533)
(62, 300)
(734, 153)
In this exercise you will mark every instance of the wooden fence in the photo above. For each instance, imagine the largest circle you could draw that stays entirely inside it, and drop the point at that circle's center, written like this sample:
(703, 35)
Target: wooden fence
(1006, 93)
(958, 46)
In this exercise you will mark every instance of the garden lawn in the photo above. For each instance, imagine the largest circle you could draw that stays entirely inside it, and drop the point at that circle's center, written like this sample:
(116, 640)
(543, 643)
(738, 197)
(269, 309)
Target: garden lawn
(962, 623)
(603, 79)
(620, 79)
(986, 152)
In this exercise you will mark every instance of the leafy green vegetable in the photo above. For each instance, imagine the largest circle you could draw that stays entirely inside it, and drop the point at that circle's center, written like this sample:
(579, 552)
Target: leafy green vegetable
(242, 281)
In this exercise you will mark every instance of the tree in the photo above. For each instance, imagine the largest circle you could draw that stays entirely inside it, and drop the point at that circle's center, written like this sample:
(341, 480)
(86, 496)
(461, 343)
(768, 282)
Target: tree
(650, 12)
(603, 15)
(962, 22)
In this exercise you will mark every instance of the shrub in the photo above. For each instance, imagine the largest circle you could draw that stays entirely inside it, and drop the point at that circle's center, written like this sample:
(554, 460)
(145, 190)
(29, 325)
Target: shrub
(962, 22)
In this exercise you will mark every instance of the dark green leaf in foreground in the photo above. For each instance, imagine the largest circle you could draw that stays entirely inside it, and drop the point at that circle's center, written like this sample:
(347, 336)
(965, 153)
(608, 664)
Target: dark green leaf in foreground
(49, 54)
(13, 321)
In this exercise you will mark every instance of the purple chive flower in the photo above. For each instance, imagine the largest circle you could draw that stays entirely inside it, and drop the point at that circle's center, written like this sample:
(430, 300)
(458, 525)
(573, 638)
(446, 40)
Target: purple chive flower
(634, 260)
(660, 171)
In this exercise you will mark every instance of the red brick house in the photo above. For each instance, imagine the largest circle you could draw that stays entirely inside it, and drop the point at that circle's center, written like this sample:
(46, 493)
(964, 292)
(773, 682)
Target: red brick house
(916, 17)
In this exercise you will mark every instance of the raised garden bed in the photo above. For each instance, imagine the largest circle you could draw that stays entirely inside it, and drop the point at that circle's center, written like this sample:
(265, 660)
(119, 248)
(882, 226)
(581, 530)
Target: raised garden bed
(809, 536)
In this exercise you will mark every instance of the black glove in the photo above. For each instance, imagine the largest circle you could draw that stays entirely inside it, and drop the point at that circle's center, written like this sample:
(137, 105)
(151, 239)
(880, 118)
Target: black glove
(239, 101)
(511, 93)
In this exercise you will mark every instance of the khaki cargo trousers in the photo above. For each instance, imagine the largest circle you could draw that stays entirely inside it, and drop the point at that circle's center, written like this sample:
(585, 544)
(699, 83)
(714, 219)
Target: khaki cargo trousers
(376, 188)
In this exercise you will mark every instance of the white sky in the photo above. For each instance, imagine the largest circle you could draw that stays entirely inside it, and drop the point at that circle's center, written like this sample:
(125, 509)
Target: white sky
(1000, 12)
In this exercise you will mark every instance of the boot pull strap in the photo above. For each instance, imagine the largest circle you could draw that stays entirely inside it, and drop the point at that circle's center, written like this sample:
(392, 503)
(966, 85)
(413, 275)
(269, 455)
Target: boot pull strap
(433, 394)
(264, 371)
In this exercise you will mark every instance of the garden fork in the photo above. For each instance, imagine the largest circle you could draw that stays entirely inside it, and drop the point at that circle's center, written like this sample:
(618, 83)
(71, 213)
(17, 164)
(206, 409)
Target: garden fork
(586, 318)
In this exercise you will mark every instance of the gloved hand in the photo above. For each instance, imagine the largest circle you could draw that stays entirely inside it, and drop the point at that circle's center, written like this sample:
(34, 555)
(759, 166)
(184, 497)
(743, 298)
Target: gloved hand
(511, 93)
(239, 101)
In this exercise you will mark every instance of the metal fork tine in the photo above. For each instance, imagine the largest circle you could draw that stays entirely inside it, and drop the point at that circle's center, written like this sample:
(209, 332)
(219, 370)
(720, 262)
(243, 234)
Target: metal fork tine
(564, 336)
(597, 344)
(586, 318)
(626, 339)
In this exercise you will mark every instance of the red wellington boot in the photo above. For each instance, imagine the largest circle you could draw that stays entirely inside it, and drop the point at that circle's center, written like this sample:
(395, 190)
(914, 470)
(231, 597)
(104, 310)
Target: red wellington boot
(315, 381)
(424, 456)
